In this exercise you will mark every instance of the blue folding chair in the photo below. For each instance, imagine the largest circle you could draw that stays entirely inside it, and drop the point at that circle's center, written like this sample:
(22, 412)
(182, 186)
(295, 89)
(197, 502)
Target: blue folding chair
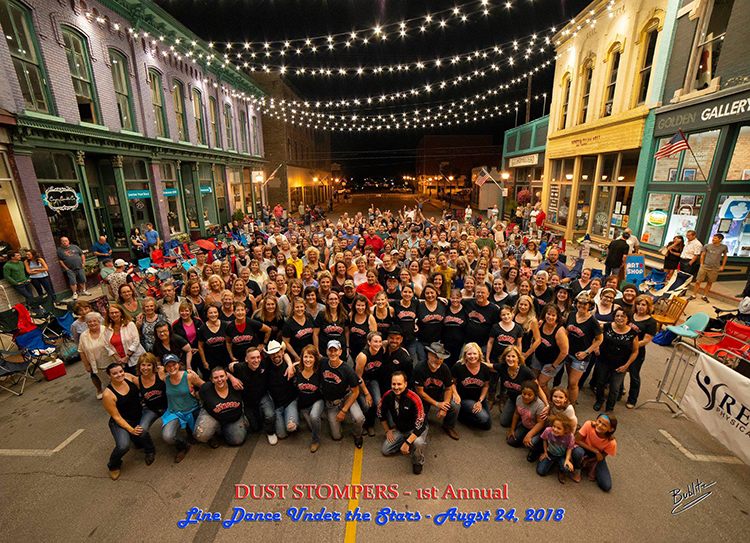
(692, 327)
(144, 263)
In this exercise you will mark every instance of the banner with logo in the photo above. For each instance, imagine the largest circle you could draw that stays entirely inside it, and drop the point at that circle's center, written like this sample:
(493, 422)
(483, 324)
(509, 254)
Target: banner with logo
(634, 269)
(718, 398)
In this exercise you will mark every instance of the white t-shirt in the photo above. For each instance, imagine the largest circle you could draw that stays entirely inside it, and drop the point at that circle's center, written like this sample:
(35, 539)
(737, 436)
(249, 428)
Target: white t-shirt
(692, 248)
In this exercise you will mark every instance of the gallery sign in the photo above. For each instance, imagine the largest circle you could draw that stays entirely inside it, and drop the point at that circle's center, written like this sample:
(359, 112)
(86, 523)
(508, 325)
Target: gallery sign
(730, 109)
(526, 160)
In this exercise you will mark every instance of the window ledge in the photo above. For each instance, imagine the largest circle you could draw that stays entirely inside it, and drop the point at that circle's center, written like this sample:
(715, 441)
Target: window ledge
(185, 142)
(232, 151)
(218, 149)
(200, 145)
(43, 116)
(681, 96)
(130, 133)
(162, 138)
(94, 126)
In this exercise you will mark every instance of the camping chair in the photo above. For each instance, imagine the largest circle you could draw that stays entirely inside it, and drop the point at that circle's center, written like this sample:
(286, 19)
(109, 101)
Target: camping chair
(691, 328)
(656, 280)
(734, 342)
(43, 309)
(15, 368)
(159, 260)
(676, 286)
(672, 312)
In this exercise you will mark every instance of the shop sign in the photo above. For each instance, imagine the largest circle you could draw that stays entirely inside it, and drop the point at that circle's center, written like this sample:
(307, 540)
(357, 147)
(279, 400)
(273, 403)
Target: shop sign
(657, 218)
(735, 208)
(527, 160)
(714, 113)
(62, 198)
(206, 190)
(634, 269)
(170, 192)
(138, 194)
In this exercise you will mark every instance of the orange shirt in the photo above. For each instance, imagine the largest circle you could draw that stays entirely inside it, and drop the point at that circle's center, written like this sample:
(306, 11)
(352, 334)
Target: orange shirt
(592, 439)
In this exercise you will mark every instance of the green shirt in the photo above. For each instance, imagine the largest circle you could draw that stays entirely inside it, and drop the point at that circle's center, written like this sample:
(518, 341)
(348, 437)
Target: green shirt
(15, 273)
(486, 242)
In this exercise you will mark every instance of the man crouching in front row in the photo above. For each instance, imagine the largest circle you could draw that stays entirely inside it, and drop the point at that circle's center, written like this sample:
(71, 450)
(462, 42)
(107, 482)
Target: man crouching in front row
(405, 409)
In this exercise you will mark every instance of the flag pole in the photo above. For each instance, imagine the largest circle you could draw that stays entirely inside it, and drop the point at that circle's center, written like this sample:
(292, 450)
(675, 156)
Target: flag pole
(705, 179)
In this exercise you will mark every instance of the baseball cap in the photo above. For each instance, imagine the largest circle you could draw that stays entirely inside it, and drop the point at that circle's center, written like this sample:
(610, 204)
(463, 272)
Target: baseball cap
(395, 330)
(333, 344)
(438, 350)
(348, 283)
(120, 263)
(394, 252)
(169, 357)
(273, 347)
(506, 263)
(391, 276)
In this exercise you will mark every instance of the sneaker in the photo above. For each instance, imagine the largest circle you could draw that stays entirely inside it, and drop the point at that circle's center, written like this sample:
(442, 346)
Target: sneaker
(85, 293)
(704, 298)
(272, 439)
(562, 477)
(213, 442)
(150, 458)
(99, 396)
(532, 456)
(691, 298)
(416, 468)
(358, 442)
(371, 431)
(576, 476)
(598, 406)
(181, 455)
(114, 474)
(451, 433)
(314, 447)
(75, 297)
(630, 405)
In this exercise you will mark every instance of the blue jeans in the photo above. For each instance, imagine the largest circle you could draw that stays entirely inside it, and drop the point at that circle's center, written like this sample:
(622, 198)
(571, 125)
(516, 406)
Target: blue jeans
(416, 448)
(24, 290)
(635, 379)
(370, 413)
(286, 416)
(171, 435)
(545, 464)
(518, 436)
(506, 417)
(449, 421)
(206, 427)
(411, 346)
(603, 477)
(481, 420)
(148, 419)
(42, 284)
(122, 444)
(609, 375)
(312, 416)
(355, 413)
(421, 352)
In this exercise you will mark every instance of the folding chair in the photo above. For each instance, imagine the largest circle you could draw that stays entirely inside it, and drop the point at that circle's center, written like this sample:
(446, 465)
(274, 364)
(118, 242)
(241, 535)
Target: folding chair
(734, 341)
(44, 309)
(656, 280)
(15, 368)
(676, 286)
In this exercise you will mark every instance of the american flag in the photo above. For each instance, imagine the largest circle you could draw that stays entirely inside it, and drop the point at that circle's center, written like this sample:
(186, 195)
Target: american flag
(482, 178)
(677, 144)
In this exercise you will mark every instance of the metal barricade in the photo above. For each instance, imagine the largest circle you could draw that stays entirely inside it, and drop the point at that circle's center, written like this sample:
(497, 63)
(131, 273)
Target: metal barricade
(679, 370)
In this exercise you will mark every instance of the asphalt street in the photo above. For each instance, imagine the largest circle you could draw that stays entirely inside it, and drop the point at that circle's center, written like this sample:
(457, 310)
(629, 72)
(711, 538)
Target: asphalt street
(54, 488)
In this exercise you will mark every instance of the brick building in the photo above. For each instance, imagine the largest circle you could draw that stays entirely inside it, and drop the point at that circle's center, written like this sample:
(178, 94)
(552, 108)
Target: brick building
(706, 94)
(303, 153)
(112, 122)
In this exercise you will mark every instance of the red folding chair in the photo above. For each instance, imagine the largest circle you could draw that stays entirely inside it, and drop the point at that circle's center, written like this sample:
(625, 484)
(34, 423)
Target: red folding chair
(734, 341)
(158, 260)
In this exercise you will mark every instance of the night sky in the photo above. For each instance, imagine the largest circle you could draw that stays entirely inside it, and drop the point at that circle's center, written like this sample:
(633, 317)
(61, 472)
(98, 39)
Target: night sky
(390, 153)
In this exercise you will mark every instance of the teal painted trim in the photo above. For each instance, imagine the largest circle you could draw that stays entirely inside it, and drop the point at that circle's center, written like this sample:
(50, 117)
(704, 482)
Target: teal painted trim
(162, 138)
(43, 116)
(94, 126)
(534, 125)
(640, 190)
(131, 133)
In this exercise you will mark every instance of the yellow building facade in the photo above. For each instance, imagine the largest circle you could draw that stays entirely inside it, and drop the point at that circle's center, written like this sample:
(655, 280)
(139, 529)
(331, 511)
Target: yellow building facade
(600, 101)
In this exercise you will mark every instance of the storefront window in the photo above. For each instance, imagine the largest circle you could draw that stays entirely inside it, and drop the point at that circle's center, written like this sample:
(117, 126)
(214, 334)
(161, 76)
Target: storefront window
(704, 148)
(235, 188)
(665, 169)
(138, 190)
(601, 214)
(172, 195)
(585, 192)
(739, 167)
(62, 196)
(559, 204)
(221, 193)
(733, 220)
(656, 219)
(205, 177)
(685, 213)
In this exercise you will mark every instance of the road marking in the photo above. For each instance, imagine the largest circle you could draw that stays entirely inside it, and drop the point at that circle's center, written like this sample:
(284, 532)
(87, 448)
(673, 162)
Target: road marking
(700, 457)
(350, 536)
(41, 452)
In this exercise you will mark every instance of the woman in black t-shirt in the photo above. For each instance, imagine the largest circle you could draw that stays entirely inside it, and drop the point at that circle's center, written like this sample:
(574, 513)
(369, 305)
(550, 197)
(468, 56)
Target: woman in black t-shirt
(430, 317)
(554, 347)
(309, 398)
(332, 323)
(618, 351)
(152, 389)
(454, 328)
(222, 409)
(584, 337)
(212, 340)
(169, 343)
(268, 313)
(361, 323)
(405, 315)
(472, 380)
(512, 372)
(645, 326)
(503, 335)
(382, 312)
(298, 330)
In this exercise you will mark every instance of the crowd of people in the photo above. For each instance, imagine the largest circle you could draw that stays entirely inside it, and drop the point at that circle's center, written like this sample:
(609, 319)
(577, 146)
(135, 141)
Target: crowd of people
(379, 316)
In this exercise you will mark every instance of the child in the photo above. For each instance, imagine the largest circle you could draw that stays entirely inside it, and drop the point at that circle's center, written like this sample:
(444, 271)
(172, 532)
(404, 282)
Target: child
(529, 409)
(79, 326)
(561, 405)
(558, 443)
(595, 442)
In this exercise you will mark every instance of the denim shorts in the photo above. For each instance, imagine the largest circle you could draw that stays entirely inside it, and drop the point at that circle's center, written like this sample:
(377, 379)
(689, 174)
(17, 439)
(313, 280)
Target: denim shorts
(533, 362)
(76, 276)
(550, 371)
(579, 365)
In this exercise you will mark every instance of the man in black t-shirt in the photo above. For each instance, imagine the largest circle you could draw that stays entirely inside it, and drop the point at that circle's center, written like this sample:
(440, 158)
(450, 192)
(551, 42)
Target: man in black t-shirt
(396, 358)
(222, 409)
(340, 387)
(617, 251)
(434, 385)
(281, 388)
(482, 315)
(259, 407)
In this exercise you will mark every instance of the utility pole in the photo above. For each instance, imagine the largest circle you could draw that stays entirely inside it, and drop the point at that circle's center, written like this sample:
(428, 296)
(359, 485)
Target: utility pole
(528, 101)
